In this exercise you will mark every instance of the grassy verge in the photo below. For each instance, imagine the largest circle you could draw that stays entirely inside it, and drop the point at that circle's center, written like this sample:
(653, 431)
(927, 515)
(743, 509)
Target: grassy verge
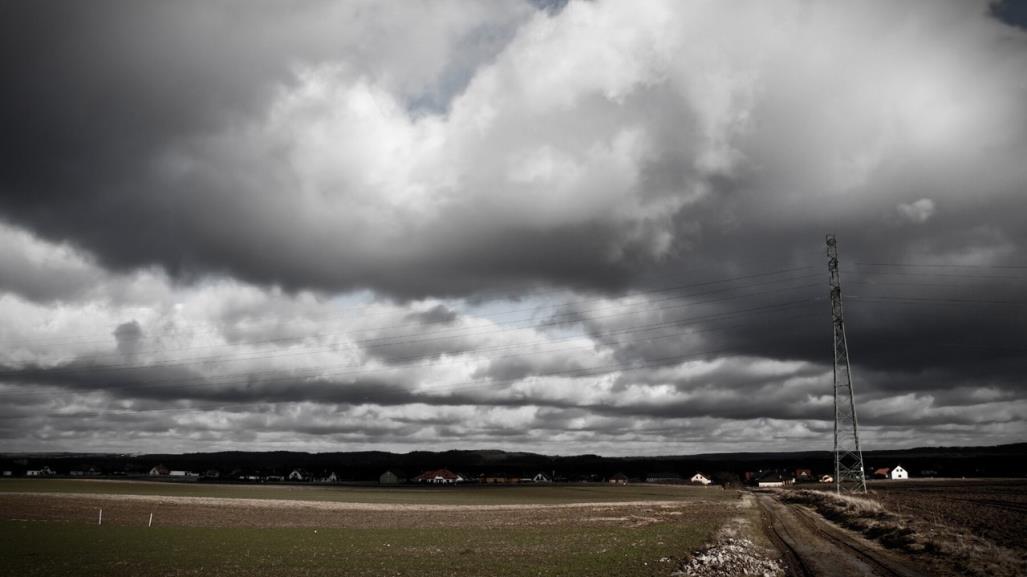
(950, 546)
(50, 548)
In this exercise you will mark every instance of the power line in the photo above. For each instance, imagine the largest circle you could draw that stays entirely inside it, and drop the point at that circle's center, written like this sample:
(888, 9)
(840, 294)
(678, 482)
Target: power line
(332, 370)
(536, 294)
(937, 274)
(600, 371)
(398, 340)
(897, 299)
(966, 266)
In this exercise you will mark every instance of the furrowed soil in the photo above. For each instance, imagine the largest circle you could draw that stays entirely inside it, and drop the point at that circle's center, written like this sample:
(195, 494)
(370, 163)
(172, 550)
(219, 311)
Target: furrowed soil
(969, 528)
(993, 509)
(51, 533)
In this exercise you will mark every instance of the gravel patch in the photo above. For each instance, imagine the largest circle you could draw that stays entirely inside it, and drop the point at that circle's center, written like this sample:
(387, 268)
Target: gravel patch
(731, 556)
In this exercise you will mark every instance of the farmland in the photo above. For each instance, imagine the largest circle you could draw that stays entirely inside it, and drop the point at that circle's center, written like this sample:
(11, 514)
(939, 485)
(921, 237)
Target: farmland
(404, 494)
(993, 509)
(242, 530)
(944, 527)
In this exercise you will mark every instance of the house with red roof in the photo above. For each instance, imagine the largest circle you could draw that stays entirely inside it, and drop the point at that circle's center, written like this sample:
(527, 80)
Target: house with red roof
(439, 477)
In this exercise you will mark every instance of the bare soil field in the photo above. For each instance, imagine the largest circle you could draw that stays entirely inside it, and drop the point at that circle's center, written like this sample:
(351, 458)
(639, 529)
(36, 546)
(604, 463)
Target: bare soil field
(954, 527)
(482, 533)
(135, 510)
(993, 509)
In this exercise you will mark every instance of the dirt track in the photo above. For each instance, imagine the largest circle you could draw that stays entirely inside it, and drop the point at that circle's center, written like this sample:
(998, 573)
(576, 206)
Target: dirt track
(812, 547)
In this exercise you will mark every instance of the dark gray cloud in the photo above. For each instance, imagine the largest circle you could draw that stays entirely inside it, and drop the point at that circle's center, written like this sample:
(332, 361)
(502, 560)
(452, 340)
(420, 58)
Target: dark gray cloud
(437, 315)
(535, 223)
(129, 336)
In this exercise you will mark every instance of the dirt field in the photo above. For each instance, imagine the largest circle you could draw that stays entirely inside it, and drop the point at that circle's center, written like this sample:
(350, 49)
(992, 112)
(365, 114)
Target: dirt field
(993, 509)
(639, 532)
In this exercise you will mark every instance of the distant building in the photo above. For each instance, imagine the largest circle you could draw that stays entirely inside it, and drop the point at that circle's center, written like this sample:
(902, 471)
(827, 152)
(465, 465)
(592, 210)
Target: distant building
(541, 478)
(8, 473)
(183, 474)
(618, 479)
(663, 478)
(826, 479)
(802, 475)
(330, 478)
(898, 473)
(159, 471)
(882, 473)
(439, 477)
(298, 475)
(389, 478)
(700, 479)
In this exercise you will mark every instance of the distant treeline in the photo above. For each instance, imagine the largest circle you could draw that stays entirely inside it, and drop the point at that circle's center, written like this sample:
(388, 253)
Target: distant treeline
(362, 467)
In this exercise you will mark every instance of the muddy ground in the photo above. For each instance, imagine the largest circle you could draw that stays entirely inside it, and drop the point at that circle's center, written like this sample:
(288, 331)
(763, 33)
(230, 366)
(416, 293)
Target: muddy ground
(993, 509)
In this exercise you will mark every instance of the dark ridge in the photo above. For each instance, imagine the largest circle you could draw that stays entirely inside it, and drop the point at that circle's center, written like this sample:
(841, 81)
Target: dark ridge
(366, 466)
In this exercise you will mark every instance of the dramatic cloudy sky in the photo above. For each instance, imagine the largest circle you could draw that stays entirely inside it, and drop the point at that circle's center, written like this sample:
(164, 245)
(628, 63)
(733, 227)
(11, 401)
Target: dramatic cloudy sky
(568, 228)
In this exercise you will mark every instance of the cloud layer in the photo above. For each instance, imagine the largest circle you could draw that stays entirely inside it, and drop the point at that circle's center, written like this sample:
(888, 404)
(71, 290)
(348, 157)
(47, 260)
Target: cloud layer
(592, 227)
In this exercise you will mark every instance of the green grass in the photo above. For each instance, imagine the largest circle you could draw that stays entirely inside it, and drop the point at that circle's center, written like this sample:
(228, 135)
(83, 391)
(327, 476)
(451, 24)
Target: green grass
(464, 495)
(52, 548)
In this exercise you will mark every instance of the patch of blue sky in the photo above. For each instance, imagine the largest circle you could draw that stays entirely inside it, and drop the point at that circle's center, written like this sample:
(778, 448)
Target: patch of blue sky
(355, 300)
(526, 312)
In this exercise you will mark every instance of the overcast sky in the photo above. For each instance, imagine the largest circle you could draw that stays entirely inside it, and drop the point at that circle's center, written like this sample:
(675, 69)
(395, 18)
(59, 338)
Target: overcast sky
(566, 228)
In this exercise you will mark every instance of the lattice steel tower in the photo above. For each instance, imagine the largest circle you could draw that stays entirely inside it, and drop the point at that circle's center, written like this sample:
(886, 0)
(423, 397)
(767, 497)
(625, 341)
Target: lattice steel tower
(848, 459)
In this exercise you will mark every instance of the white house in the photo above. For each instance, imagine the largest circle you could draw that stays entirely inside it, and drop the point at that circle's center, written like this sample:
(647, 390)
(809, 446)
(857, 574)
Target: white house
(898, 473)
(296, 475)
(541, 478)
(700, 479)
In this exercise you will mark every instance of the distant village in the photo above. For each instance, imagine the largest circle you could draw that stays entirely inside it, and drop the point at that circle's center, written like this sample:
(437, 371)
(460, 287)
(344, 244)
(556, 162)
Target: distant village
(444, 476)
(495, 467)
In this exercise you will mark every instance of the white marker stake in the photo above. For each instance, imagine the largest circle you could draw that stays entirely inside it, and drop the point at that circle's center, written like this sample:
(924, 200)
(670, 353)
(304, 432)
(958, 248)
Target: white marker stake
(150, 524)
(100, 520)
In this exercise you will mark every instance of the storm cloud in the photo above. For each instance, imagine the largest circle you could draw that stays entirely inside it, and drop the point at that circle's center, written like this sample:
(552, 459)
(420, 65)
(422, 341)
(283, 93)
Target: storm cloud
(581, 227)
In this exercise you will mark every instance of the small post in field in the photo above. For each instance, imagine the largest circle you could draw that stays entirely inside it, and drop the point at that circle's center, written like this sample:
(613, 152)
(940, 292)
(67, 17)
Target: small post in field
(99, 520)
(150, 524)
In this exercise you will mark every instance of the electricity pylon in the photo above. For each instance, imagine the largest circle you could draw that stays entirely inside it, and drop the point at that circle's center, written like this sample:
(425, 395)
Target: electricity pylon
(848, 459)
